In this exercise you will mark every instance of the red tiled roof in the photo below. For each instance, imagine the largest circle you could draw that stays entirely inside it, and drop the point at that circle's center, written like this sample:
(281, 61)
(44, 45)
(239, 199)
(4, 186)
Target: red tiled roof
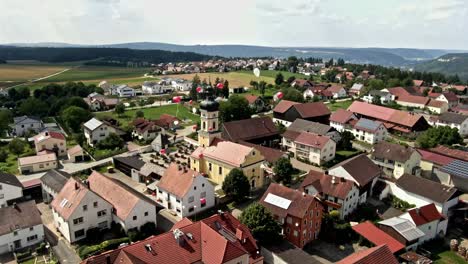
(270, 154)
(312, 140)
(284, 106)
(425, 214)
(314, 109)
(418, 82)
(451, 97)
(177, 182)
(249, 129)
(377, 237)
(435, 103)
(300, 202)
(341, 116)
(413, 99)
(335, 88)
(434, 157)
(166, 120)
(46, 135)
(73, 191)
(453, 153)
(251, 98)
(398, 91)
(31, 183)
(182, 223)
(228, 152)
(328, 185)
(375, 255)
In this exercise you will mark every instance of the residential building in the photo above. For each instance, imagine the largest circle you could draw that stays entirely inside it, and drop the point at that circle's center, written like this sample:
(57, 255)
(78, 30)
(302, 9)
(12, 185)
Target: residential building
(96, 130)
(376, 255)
(340, 118)
(220, 238)
(396, 120)
(368, 131)
(395, 159)
(432, 162)
(26, 124)
(51, 141)
(450, 98)
(217, 161)
(144, 129)
(52, 183)
(160, 142)
(312, 147)
(125, 91)
(437, 107)
(428, 219)
(402, 230)
(130, 208)
(157, 87)
(335, 193)
(457, 172)
(285, 112)
(319, 91)
(20, 227)
(184, 191)
(76, 154)
(98, 102)
(256, 103)
(261, 131)
(129, 165)
(299, 214)
(42, 162)
(337, 91)
(181, 85)
(356, 89)
(454, 120)
(384, 97)
(167, 121)
(377, 237)
(302, 83)
(361, 170)
(301, 125)
(10, 189)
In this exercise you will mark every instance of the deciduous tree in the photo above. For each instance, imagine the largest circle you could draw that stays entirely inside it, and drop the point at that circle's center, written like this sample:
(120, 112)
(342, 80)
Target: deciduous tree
(283, 170)
(16, 146)
(261, 223)
(236, 185)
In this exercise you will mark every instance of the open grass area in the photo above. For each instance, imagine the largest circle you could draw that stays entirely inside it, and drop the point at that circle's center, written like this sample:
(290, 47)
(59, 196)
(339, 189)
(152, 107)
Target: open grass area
(84, 73)
(337, 105)
(272, 74)
(449, 257)
(235, 79)
(11, 164)
(26, 72)
(154, 113)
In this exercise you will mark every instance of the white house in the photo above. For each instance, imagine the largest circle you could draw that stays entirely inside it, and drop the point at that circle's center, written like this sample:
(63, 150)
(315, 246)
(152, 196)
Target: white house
(10, 188)
(402, 230)
(185, 191)
(20, 227)
(96, 130)
(52, 183)
(130, 209)
(24, 124)
(352, 169)
(385, 97)
(432, 223)
(181, 85)
(309, 146)
(356, 89)
(51, 141)
(42, 162)
(336, 193)
(340, 118)
(454, 120)
(125, 91)
(369, 131)
(450, 98)
(156, 87)
(337, 91)
(396, 160)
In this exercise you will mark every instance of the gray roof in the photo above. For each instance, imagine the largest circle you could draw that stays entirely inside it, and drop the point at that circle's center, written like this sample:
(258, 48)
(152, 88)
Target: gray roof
(7, 178)
(378, 92)
(301, 125)
(432, 190)
(457, 167)
(367, 125)
(131, 161)
(55, 179)
(23, 215)
(454, 118)
(26, 119)
(357, 86)
(92, 124)
(404, 227)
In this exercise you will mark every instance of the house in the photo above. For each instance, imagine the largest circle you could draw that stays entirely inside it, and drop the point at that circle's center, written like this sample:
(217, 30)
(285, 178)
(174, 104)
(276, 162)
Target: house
(20, 227)
(437, 107)
(32, 164)
(369, 131)
(302, 83)
(299, 214)
(144, 129)
(157, 87)
(26, 124)
(161, 141)
(319, 91)
(457, 174)
(418, 83)
(403, 230)
(396, 160)
(376, 255)
(312, 147)
(285, 112)
(340, 118)
(450, 98)
(419, 191)
(181, 85)
(129, 165)
(271, 155)
(428, 219)
(52, 183)
(76, 154)
(335, 193)
(301, 125)
(256, 103)
(130, 208)
(10, 189)
(356, 89)
(337, 91)
(167, 121)
(51, 141)
(98, 102)
(454, 120)
(377, 237)
(431, 163)
(413, 101)
(124, 91)
(185, 191)
(384, 97)
(76, 210)
(461, 109)
(361, 170)
(217, 161)
(96, 130)
(396, 120)
(220, 238)
(261, 131)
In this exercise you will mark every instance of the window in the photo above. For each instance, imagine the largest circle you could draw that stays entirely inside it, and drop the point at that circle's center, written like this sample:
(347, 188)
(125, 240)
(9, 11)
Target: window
(253, 153)
(85, 207)
(190, 199)
(95, 204)
(78, 220)
(177, 200)
(101, 213)
(1, 187)
(289, 220)
(305, 221)
(318, 213)
(296, 233)
(31, 228)
(41, 166)
(253, 170)
(209, 166)
(202, 194)
(194, 187)
(146, 213)
(32, 238)
(2, 195)
(429, 227)
(202, 185)
(79, 233)
(287, 230)
(15, 233)
(220, 170)
(159, 191)
(134, 218)
(191, 209)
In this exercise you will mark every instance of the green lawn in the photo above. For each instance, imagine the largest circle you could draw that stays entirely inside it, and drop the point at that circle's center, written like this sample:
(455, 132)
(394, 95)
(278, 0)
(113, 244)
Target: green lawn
(449, 257)
(84, 73)
(346, 153)
(11, 164)
(337, 105)
(155, 113)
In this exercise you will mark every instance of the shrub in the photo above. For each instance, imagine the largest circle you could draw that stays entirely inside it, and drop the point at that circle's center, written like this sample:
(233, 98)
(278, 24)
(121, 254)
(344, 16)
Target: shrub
(87, 251)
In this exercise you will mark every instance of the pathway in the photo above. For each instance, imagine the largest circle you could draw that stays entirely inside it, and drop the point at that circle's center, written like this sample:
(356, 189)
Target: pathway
(304, 166)
(39, 79)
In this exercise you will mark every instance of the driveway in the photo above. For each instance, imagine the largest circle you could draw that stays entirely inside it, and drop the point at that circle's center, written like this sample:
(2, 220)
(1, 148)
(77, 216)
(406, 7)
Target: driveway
(64, 253)
(304, 166)
(7, 258)
(331, 252)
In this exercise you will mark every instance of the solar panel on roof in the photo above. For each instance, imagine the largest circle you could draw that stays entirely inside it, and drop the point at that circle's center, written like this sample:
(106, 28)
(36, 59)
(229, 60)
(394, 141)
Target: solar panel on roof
(457, 167)
(368, 124)
(277, 201)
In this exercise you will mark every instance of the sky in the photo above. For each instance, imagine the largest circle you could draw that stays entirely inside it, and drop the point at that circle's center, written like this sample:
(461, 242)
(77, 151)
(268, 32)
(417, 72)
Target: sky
(307, 23)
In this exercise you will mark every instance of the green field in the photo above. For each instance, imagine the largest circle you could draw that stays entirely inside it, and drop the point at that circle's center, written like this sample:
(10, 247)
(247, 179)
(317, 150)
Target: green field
(272, 74)
(85, 73)
(154, 113)
(11, 164)
(337, 105)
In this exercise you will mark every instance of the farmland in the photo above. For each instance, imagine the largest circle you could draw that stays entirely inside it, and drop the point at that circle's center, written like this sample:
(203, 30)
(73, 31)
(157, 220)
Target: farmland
(87, 73)
(18, 72)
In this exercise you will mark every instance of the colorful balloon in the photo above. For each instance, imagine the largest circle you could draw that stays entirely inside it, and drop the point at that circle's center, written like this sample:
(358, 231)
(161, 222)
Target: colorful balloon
(220, 85)
(279, 95)
(256, 72)
(176, 99)
(199, 89)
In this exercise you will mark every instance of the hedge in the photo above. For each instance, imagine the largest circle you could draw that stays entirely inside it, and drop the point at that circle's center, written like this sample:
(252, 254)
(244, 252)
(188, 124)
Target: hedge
(87, 251)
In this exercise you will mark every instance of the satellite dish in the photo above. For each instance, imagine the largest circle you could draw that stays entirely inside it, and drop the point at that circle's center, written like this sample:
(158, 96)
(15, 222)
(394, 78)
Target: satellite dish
(256, 72)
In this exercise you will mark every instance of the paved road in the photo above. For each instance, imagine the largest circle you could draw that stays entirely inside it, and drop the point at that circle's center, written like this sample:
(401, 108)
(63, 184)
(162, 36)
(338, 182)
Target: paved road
(64, 253)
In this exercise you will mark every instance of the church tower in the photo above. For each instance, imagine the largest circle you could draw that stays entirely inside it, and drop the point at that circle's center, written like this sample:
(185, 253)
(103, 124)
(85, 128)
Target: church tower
(210, 129)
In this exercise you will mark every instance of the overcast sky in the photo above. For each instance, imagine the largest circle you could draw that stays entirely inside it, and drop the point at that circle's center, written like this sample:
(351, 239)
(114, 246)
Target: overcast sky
(343, 23)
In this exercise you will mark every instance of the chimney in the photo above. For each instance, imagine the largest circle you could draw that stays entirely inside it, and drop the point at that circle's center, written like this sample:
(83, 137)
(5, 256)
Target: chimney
(15, 205)
(108, 259)
(77, 186)
(46, 133)
(239, 233)
(179, 236)
(148, 248)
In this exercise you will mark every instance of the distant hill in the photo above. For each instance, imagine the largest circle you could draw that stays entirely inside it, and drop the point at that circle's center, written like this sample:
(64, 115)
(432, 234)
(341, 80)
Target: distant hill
(449, 64)
(100, 56)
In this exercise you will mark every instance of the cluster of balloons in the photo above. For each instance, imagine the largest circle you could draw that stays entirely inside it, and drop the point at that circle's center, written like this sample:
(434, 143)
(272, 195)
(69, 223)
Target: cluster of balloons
(176, 99)
(278, 96)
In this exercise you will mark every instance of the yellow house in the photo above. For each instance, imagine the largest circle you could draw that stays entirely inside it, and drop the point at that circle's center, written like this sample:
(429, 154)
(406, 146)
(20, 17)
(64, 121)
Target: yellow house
(217, 161)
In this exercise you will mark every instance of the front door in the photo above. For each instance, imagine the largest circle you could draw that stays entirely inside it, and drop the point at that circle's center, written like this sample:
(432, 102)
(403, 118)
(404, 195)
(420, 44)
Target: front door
(252, 183)
(17, 243)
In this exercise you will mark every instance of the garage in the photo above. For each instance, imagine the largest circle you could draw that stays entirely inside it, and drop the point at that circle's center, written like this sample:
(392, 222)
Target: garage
(3, 249)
